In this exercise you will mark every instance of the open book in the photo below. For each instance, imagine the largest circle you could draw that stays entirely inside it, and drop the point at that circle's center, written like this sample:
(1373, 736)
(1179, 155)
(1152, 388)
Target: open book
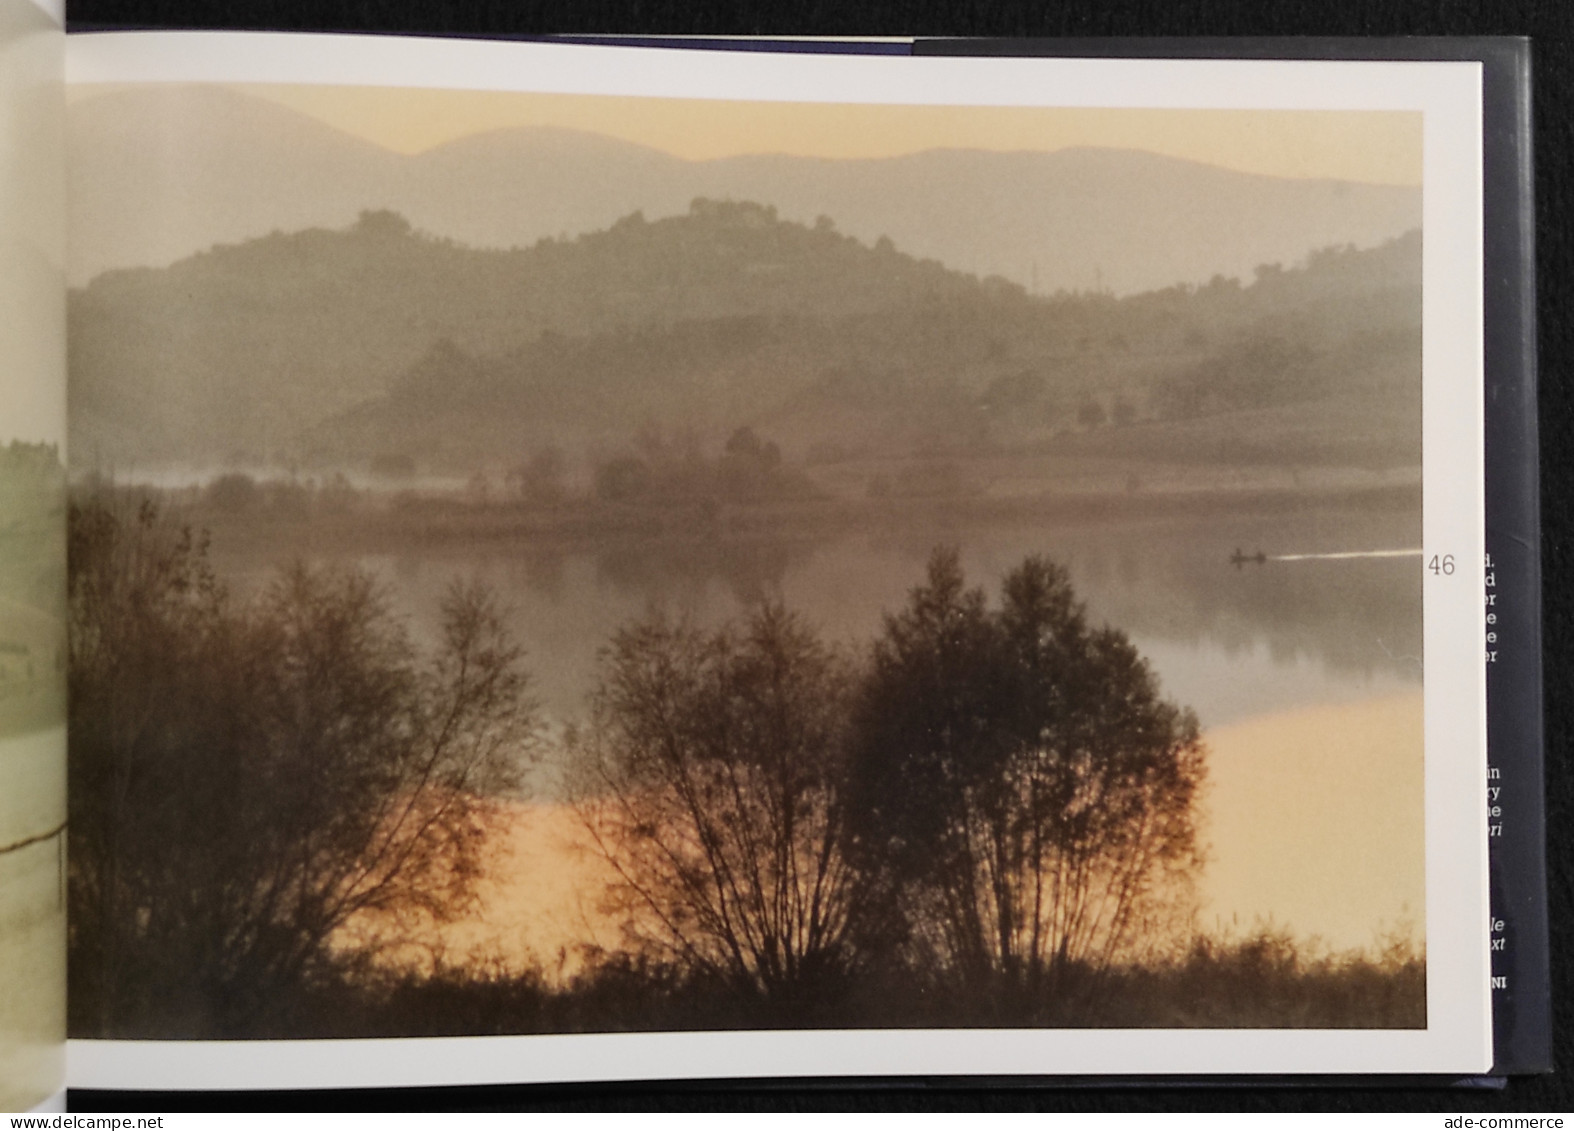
(601, 562)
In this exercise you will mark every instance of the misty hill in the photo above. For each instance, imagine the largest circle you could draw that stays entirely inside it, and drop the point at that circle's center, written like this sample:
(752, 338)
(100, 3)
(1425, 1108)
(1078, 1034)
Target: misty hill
(349, 345)
(200, 166)
(1319, 363)
(241, 347)
(159, 173)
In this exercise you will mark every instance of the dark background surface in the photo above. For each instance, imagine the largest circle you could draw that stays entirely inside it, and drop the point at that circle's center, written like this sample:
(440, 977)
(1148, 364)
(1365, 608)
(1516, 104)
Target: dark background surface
(1550, 24)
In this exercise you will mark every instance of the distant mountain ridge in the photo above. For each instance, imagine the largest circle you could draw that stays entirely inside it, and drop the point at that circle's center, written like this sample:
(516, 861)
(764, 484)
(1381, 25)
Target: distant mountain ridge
(200, 166)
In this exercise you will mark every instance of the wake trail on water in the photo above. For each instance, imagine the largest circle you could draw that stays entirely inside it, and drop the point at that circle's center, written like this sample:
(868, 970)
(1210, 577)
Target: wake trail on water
(1344, 554)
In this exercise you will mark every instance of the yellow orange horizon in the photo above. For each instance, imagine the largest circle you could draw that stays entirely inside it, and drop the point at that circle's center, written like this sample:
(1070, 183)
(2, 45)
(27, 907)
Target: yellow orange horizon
(1372, 147)
(1314, 817)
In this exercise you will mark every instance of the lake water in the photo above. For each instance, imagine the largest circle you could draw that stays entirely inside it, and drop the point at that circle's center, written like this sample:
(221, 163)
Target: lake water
(1305, 674)
(1230, 642)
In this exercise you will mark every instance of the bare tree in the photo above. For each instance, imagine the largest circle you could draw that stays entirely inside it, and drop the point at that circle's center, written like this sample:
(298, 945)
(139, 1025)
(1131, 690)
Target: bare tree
(710, 782)
(248, 781)
(1021, 787)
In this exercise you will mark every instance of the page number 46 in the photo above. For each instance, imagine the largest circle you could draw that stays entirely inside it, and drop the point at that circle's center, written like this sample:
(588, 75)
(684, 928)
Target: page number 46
(1442, 564)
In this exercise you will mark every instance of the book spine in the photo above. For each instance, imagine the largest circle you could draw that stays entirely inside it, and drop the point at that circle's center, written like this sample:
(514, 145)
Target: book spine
(1521, 984)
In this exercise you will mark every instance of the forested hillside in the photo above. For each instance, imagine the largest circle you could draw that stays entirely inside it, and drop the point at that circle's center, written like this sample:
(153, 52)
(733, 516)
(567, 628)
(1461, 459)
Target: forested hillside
(376, 342)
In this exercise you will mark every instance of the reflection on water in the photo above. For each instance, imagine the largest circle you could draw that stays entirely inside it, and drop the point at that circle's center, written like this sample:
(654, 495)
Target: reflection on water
(1346, 555)
(1228, 642)
(1313, 822)
(1306, 675)
(1316, 819)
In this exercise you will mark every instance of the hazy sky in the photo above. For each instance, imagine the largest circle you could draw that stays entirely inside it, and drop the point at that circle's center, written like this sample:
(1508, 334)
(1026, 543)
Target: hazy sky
(1374, 146)
(1371, 146)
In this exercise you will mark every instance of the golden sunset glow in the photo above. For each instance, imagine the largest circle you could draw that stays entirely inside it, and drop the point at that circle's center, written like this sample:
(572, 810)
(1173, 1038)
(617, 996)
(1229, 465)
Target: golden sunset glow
(1314, 818)
(1316, 821)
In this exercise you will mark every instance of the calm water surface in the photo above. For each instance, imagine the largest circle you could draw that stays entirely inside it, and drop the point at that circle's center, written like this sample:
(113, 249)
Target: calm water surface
(1305, 674)
(1230, 642)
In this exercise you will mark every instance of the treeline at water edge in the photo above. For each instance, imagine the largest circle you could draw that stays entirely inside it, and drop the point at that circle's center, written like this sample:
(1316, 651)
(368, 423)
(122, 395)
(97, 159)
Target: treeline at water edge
(987, 815)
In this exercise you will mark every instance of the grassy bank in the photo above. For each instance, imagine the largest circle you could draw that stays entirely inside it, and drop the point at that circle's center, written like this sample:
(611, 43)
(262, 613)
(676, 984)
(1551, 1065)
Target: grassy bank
(1267, 981)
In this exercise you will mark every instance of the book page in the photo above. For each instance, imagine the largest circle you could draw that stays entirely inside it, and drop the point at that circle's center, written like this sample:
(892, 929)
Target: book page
(32, 557)
(667, 563)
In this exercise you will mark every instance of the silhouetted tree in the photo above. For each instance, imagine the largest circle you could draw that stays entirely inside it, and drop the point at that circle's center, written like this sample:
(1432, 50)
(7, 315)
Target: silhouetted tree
(1090, 414)
(249, 782)
(710, 783)
(749, 466)
(1020, 791)
(539, 480)
(234, 493)
(622, 480)
(382, 223)
(744, 444)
